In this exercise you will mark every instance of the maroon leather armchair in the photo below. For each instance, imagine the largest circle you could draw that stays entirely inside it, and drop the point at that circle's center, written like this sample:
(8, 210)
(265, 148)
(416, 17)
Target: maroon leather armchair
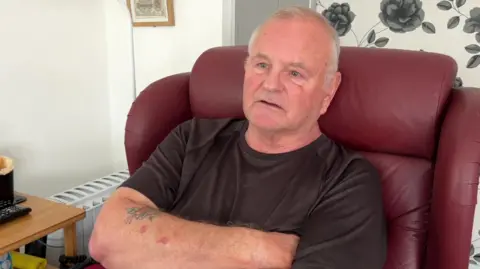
(396, 107)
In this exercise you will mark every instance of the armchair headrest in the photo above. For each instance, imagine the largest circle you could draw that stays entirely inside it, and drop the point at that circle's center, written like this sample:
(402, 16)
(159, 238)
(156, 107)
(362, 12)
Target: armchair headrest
(216, 83)
(389, 101)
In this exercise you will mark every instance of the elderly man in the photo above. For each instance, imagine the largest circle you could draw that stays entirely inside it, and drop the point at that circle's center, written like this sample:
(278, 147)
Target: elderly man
(270, 191)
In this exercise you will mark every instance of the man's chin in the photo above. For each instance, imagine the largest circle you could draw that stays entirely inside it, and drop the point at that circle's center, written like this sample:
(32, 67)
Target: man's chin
(264, 123)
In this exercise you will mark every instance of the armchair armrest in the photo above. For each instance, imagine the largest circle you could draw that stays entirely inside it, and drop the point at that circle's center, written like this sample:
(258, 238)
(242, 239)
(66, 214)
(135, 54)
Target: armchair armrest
(455, 183)
(158, 109)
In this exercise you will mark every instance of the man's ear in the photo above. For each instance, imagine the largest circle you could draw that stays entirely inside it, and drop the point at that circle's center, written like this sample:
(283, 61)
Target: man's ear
(335, 83)
(331, 86)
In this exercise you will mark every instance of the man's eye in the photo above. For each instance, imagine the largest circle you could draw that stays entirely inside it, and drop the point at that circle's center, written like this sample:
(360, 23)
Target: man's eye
(295, 74)
(262, 65)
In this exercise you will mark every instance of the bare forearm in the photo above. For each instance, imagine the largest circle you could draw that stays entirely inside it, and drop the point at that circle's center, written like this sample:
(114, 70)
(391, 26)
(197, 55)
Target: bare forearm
(145, 236)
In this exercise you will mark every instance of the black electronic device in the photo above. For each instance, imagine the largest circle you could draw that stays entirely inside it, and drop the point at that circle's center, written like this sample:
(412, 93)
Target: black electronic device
(9, 208)
(13, 212)
(17, 199)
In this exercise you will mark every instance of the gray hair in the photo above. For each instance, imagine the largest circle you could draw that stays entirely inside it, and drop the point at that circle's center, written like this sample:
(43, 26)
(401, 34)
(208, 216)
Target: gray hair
(306, 13)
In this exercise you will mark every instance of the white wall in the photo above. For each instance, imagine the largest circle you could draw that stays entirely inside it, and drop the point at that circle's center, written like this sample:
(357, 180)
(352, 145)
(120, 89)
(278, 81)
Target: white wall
(68, 72)
(228, 22)
(54, 106)
(120, 74)
(141, 55)
(163, 51)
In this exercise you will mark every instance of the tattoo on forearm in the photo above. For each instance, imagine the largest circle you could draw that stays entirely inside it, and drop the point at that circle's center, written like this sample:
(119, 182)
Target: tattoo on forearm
(141, 213)
(245, 225)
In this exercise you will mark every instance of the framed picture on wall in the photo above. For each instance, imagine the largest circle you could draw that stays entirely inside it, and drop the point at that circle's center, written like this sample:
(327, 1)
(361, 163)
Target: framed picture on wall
(151, 12)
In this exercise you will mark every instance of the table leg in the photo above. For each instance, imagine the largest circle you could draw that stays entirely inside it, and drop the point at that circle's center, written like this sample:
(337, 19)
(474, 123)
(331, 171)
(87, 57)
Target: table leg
(70, 238)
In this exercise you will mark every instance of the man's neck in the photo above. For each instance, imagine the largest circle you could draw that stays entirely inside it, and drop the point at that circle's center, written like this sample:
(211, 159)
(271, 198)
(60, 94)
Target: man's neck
(276, 142)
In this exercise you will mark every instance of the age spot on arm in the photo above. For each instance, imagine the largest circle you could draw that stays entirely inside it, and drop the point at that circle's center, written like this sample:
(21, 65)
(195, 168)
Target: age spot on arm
(162, 240)
(143, 229)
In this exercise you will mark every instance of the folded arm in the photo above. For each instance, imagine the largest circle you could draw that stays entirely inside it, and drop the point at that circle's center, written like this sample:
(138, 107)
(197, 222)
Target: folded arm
(347, 229)
(131, 232)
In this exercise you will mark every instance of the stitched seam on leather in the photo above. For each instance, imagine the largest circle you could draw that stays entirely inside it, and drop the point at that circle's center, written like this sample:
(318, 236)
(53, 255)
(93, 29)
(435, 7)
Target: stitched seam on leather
(437, 113)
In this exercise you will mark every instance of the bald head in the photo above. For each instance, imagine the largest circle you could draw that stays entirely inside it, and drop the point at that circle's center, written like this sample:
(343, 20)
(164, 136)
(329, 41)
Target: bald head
(306, 14)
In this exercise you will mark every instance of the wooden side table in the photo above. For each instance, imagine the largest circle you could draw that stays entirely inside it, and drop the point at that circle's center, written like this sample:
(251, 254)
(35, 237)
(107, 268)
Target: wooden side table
(46, 217)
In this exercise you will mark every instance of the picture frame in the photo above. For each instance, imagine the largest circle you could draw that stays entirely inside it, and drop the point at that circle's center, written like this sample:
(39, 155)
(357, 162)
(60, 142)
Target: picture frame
(151, 13)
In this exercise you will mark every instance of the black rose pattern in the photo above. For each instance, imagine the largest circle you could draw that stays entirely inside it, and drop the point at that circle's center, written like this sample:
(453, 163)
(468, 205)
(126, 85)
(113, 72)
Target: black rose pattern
(401, 16)
(472, 24)
(474, 256)
(340, 17)
(458, 83)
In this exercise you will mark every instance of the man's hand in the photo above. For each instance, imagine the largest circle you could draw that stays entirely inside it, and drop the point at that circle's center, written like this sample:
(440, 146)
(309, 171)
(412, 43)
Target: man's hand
(131, 232)
(276, 251)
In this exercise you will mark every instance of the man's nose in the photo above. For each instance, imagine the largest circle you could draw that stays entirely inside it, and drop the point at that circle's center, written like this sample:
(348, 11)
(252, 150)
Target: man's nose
(272, 81)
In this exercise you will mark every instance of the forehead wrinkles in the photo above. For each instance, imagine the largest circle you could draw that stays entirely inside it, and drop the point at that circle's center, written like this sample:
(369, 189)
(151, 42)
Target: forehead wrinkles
(295, 41)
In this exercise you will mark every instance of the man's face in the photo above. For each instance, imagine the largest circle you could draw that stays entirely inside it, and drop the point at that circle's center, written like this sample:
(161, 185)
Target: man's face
(284, 83)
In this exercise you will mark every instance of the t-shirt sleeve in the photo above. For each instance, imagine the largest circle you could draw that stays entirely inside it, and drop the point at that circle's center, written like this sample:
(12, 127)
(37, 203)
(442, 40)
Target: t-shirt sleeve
(159, 176)
(347, 229)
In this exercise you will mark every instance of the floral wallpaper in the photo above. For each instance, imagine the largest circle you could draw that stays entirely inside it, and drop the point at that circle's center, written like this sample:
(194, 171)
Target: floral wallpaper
(450, 27)
(428, 25)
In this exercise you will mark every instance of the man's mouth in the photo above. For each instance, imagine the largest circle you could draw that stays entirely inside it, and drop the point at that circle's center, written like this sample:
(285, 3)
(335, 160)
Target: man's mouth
(271, 104)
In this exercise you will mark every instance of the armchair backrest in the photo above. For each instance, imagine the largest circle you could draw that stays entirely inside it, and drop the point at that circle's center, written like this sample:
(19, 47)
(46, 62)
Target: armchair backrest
(389, 107)
(389, 101)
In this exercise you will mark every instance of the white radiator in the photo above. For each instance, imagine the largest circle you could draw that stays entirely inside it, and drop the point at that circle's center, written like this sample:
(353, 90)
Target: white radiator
(89, 196)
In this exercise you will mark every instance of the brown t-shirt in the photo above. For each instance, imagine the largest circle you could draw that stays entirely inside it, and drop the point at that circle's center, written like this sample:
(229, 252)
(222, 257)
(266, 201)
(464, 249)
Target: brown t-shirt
(205, 171)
